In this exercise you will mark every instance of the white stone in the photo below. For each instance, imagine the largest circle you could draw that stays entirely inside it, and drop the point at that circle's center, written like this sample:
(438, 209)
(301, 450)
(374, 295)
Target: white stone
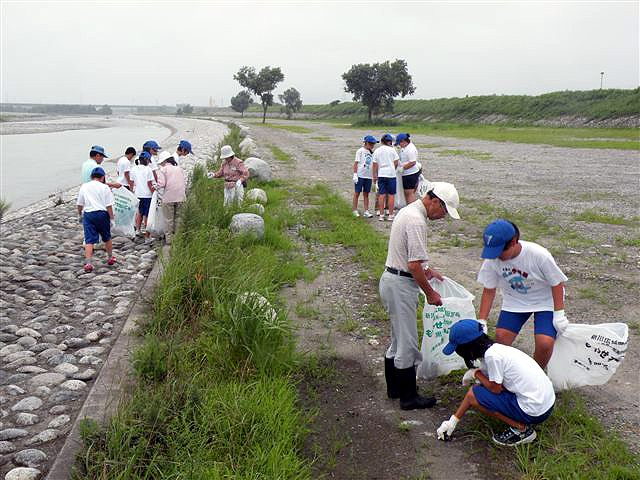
(90, 351)
(257, 195)
(11, 433)
(27, 404)
(258, 169)
(46, 379)
(7, 447)
(30, 457)
(22, 473)
(67, 369)
(27, 419)
(28, 332)
(9, 349)
(44, 436)
(74, 385)
(12, 357)
(247, 224)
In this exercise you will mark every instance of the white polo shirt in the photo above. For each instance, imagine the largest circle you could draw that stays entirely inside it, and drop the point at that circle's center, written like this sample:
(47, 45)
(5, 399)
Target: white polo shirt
(408, 237)
(94, 196)
(384, 156)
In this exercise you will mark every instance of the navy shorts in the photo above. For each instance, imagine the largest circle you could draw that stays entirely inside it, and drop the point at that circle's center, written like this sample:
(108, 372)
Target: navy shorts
(506, 403)
(386, 186)
(513, 321)
(96, 225)
(410, 182)
(143, 206)
(364, 184)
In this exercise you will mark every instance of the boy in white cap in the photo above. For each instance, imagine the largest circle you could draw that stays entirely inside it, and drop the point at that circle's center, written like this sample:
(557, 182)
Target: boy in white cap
(234, 173)
(362, 175)
(530, 283)
(406, 273)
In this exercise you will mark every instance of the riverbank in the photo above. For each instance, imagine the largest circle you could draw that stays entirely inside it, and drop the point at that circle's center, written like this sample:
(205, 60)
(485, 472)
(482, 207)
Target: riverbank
(58, 323)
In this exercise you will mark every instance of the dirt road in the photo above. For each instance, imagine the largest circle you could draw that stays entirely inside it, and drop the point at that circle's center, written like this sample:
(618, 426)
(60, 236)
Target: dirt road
(549, 189)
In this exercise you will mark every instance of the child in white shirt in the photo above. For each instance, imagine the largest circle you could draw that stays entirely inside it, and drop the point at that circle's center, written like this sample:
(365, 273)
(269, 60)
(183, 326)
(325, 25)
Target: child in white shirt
(142, 177)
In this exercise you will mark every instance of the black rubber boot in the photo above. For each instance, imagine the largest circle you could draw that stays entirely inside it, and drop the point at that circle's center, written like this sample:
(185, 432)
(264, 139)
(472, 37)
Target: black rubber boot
(409, 398)
(391, 376)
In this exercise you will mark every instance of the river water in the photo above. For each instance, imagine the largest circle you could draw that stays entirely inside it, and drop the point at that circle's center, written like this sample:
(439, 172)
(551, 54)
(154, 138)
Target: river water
(35, 165)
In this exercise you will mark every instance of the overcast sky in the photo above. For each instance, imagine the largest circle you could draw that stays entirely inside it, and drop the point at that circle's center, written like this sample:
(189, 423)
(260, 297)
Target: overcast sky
(150, 53)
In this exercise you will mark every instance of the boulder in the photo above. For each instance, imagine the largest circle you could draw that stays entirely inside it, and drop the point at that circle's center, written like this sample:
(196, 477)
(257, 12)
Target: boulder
(257, 195)
(257, 208)
(248, 145)
(258, 169)
(247, 224)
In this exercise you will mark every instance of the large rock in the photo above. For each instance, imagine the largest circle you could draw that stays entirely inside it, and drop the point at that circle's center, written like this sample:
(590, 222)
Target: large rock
(258, 169)
(257, 195)
(248, 145)
(247, 224)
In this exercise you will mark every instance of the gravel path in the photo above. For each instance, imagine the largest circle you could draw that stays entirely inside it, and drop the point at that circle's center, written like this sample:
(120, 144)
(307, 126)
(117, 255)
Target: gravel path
(57, 323)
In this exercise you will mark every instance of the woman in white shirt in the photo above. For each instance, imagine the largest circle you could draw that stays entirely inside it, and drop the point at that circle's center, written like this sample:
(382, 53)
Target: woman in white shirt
(408, 166)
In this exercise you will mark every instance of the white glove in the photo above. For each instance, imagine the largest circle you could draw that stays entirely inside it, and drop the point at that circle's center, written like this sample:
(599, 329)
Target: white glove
(560, 322)
(446, 429)
(239, 183)
(400, 170)
(483, 322)
(469, 377)
(355, 178)
(210, 175)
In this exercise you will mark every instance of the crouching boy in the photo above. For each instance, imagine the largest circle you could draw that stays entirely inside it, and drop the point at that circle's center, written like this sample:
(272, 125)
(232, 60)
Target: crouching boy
(96, 200)
(512, 386)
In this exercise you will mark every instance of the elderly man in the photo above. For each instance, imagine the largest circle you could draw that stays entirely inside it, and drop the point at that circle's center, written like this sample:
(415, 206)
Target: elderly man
(407, 271)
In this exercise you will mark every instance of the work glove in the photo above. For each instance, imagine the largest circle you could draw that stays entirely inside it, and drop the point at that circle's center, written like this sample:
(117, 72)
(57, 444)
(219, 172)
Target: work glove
(446, 429)
(483, 322)
(469, 377)
(238, 183)
(355, 178)
(399, 169)
(210, 175)
(560, 322)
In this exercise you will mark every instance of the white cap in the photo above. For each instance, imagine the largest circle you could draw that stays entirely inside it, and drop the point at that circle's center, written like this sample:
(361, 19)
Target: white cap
(162, 156)
(449, 195)
(226, 151)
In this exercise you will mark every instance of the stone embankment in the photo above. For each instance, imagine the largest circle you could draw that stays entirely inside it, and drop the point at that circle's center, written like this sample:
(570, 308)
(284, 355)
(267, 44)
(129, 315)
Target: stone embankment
(58, 323)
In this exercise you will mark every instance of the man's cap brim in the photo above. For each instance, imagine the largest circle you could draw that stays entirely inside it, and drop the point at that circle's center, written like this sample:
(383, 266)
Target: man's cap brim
(493, 252)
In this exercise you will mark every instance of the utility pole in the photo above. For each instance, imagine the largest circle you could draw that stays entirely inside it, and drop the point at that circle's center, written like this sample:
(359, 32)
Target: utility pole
(601, 77)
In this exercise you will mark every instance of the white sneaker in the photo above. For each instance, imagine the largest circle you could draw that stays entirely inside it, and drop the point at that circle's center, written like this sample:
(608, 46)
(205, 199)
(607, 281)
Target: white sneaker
(380, 218)
(367, 214)
(391, 217)
(355, 213)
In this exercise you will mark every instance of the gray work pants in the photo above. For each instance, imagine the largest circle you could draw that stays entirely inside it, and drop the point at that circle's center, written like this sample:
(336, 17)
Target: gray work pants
(400, 299)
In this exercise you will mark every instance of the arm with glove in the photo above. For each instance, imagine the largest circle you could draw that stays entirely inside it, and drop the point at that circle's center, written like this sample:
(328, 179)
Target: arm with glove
(560, 322)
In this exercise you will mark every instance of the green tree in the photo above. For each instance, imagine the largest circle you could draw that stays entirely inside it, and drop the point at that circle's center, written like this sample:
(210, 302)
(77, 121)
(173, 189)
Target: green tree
(260, 84)
(241, 102)
(376, 85)
(291, 101)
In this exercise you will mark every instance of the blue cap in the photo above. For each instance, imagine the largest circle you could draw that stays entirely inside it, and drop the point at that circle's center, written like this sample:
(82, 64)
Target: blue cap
(146, 155)
(184, 145)
(97, 172)
(461, 332)
(495, 237)
(98, 149)
(400, 137)
(387, 136)
(370, 139)
(151, 144)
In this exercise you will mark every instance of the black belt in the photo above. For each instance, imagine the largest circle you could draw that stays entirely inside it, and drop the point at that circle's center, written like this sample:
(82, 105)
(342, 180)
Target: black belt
(399, 272)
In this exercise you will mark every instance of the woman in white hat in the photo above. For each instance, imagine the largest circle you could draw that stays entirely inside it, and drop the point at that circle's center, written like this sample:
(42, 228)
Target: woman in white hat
(234, 173)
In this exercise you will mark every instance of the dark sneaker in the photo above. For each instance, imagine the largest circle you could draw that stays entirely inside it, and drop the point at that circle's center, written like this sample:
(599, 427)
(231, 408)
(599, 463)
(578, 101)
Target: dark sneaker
(511, 437)
(417, 402)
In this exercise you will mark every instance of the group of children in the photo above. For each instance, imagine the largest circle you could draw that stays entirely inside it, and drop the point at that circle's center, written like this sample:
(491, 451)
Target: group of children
(379, 169)
(151, 171)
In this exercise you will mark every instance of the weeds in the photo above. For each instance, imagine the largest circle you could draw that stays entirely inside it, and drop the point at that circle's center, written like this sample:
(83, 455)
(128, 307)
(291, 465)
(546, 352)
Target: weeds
(592, 216)
(4, 207)
(280, 156)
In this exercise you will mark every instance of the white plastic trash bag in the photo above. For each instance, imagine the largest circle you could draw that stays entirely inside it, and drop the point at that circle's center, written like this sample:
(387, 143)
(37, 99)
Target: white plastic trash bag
(399, 200)
(156, 223)
(234, 195)
(125, 206)
(457, 304)
(587, 354)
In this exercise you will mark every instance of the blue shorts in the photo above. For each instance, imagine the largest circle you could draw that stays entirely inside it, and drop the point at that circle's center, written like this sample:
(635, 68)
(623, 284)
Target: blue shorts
(364, 184)
(143, 206)
(386, 186)
(96, 225)
(513, 321)
(506, 403)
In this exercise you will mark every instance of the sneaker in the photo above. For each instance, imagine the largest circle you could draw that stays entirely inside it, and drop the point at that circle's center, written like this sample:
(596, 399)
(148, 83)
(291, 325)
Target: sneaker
(367, 214)
(111, 261)
(386, 211)
(391, 217)
(356, 213)
(380, 218)
(88, 268)
(512, 437)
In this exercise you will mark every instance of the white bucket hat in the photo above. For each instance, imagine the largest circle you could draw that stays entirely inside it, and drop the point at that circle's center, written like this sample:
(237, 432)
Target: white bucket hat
(449, 195)
(162, 156)
(226, 152)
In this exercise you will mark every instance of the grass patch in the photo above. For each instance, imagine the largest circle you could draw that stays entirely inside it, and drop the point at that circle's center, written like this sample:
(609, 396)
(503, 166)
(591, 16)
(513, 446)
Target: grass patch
(281, 156)
(592, 216)
(321, 139)
(481, 156)
(631, 241)
(288, 128)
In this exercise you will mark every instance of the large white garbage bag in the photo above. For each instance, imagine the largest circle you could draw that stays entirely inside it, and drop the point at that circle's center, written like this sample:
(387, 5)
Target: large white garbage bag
(399, 200)
(156, 223)
(125, 206)
(457, 304)
(587, 354)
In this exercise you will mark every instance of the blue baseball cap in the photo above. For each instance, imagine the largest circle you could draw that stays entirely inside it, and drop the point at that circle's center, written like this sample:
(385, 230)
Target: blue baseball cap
(461, 332)
(97, 172)
(98, 149)
(151, 144)
(370, 139)
(387, 136)
(495, 237)
(400, 137)
(184, 145)
(146, 155)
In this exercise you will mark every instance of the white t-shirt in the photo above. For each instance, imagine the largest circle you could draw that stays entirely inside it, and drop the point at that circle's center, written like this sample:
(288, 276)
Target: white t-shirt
(123, 166)
(520, 374)
(141, 174)
(94, 196)
(384, 156)
(363, 159)
(409, 154)
(525, 281)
